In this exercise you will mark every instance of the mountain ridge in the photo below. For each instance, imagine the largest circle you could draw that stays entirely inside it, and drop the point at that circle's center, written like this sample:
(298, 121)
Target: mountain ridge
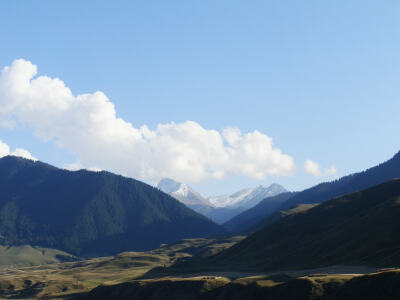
(327, 190)
(248, 197)
(218, 208)
(358, 181)
(89, 213)
(252, 216)
(182, 192)
(360, 228)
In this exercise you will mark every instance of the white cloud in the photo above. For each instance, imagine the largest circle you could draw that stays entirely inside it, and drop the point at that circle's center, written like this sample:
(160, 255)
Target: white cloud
(22, 153)
(313, 168)
(87, 125)
(5, 150)
(331, 171)
(78, 166)
(73, 166)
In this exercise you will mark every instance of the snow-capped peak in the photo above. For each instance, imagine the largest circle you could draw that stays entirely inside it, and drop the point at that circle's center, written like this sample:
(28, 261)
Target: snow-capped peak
(247, 197)
(168, 185)
(182, 192)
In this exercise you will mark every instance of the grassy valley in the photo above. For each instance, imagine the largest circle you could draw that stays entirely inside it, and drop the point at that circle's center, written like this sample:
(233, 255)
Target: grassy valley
(26, 255)
(72, 278)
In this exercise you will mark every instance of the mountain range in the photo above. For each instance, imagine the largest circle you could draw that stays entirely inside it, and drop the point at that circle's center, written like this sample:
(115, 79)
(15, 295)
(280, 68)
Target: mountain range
(249, 218)
(219, 208)
(348, 224)
(247, 198)
(361, 228)
(269, 212)
(186, 195)
(89, 213)
(347, 184)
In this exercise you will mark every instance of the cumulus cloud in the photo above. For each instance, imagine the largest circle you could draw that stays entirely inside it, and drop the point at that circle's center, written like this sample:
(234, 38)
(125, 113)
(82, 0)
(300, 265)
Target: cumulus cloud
(5, 150)
(331, 171)
(313, 168)
(87, 125)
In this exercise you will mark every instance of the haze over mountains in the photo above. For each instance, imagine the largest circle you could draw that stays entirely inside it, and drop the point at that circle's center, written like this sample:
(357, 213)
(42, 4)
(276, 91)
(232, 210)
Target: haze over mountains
(89, 213)
(219, 208)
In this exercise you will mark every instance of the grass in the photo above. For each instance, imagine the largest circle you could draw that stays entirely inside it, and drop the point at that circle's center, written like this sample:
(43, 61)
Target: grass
(121, 277)
(379, 285)
(356, 229)
(24, 256)
(65, 279)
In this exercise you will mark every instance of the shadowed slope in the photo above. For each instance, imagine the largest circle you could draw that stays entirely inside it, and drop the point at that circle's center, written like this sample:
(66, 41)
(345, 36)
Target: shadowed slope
(381, 285)
(268, 213)
(362, 228)
(89, 213)
(348, 184)
(252, 216)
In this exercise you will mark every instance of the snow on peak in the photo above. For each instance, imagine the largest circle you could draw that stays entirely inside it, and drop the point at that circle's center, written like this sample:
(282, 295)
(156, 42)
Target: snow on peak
(182, 192)
(168, 185)
(247, 198)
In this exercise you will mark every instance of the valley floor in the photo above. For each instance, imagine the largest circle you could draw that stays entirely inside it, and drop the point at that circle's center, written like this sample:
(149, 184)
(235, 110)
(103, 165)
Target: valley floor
(127, 276)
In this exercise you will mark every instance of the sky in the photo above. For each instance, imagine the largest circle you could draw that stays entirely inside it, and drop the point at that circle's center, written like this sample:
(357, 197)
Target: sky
(221, 95)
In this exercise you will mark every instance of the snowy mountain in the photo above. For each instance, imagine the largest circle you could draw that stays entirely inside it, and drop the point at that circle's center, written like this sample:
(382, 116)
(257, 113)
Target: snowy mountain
(218, 208)
(247, 198)
(185, 194)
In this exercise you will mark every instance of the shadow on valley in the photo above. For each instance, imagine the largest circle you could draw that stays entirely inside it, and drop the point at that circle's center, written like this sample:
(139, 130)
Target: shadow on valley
(382, 285)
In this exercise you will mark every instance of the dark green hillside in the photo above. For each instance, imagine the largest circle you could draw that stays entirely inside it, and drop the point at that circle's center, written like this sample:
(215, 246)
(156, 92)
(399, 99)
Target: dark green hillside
(89, 213)
(249, 218)
(271, 212)
(276, 216)
(348, 184)
(362, 228)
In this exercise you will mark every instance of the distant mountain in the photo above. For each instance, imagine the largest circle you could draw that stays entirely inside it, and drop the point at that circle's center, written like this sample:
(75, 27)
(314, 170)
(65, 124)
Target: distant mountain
(249, 218)
(325, 191)
(89, 213)
(192, 199)
(186, 195)
(361, 228)
(247, 198)
(220, 215)
(348, 184)
(218, 208)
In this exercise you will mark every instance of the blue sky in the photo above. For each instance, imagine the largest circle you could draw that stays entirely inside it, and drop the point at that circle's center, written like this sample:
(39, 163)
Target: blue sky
(320, 78)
